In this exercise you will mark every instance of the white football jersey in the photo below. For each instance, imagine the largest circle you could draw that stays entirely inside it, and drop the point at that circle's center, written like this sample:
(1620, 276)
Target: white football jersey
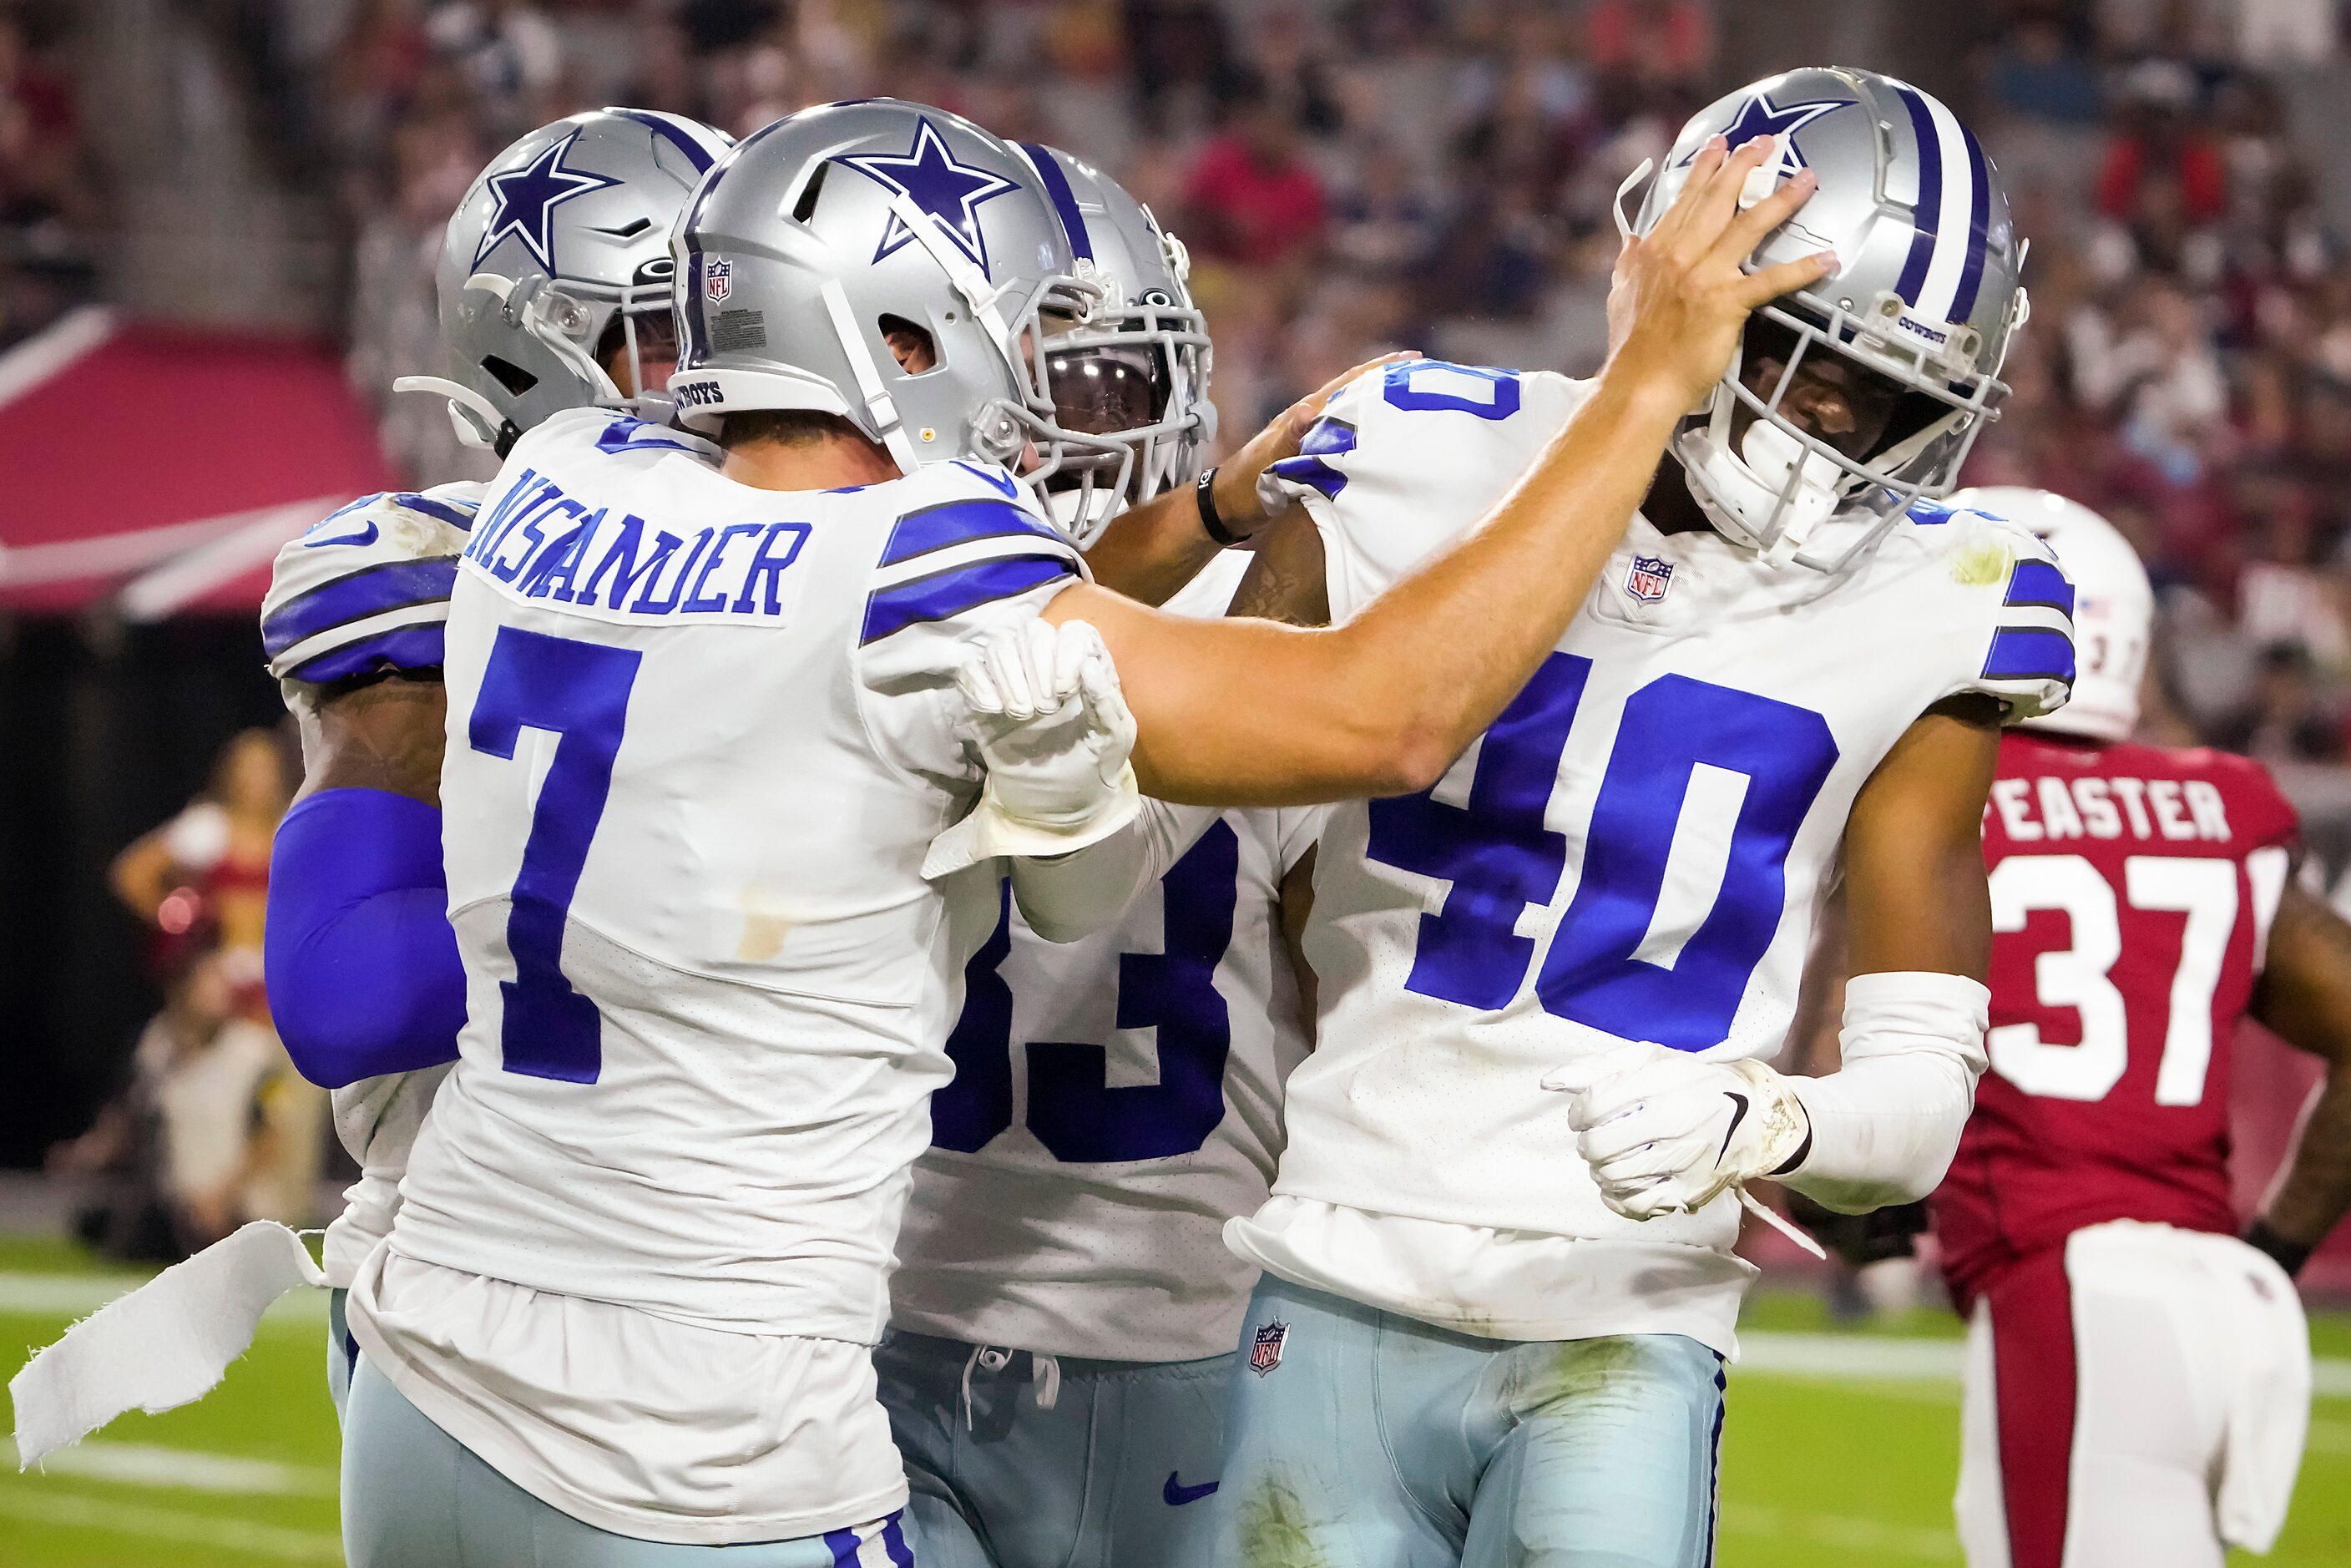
(366, 588)
(1115, 1101)
(1636, 849)
(700, 735)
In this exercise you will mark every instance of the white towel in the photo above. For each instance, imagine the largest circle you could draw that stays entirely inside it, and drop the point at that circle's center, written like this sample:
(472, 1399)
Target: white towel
(160, 1346)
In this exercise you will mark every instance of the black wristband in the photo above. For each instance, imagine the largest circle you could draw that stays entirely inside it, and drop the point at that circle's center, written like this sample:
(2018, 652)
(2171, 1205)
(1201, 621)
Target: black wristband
(1204, 491)
(2289, 1255)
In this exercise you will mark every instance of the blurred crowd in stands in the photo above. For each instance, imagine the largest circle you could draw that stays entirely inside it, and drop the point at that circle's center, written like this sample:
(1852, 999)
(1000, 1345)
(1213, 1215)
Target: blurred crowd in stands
(48, 200)
(1351, 175)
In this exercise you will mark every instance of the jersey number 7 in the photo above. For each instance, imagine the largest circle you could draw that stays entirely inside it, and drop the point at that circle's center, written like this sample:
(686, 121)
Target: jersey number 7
(580, 692)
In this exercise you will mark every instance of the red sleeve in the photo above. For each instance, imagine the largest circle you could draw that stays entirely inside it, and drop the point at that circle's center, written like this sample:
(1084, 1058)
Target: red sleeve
(2118, 179)
(2257, 808)
(2203, 181)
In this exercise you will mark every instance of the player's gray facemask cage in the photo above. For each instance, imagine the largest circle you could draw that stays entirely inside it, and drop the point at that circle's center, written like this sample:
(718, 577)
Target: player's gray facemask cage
(827, 230)
(1128, 382)
(560, 243)
(1927, 295)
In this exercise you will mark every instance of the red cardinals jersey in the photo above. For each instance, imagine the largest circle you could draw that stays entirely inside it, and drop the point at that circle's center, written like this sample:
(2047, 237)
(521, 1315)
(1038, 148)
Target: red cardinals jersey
(2132, 891)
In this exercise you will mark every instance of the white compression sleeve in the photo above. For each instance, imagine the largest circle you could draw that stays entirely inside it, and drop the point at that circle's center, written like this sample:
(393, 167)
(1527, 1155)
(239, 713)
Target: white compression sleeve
(1069, 896)
(1886, 1122)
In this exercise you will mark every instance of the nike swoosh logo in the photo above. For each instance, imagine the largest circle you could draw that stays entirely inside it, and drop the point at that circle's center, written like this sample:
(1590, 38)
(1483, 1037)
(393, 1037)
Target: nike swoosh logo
(366, 536)
(1175, 1494)
(1738, 1115)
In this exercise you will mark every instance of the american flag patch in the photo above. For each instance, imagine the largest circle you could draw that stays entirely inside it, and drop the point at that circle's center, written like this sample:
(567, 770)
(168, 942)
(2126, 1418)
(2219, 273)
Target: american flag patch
(1265, 1348)
(1648, 577)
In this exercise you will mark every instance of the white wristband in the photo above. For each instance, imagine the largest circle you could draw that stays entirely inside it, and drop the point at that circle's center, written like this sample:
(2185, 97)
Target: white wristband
(1886, 1122)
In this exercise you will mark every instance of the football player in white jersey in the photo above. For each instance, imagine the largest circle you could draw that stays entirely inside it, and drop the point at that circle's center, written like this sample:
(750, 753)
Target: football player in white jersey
(705, 723)
(1064, 1308)
(554, 283)
(1496, 1314)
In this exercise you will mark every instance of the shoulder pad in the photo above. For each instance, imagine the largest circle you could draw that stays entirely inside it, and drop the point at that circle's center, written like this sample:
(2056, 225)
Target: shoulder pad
(2024, 602)
(367, 587)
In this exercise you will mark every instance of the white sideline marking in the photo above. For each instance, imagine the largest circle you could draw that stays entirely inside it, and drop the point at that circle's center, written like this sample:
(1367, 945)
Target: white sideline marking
(148, 1465)
(77, 1295)
(1850, 1535)
(241, 1536)
(1851, 1357)
(1858, 1358)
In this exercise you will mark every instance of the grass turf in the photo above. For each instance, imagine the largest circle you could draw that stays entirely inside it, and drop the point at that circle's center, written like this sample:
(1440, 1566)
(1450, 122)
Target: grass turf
(1814, 1471)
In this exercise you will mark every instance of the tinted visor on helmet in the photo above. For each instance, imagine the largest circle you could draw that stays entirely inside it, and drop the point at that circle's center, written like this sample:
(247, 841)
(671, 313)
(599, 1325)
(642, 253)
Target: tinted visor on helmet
(1101, 390)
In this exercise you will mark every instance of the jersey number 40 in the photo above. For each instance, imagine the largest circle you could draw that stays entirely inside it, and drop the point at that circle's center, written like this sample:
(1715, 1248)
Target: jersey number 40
(1606, 967)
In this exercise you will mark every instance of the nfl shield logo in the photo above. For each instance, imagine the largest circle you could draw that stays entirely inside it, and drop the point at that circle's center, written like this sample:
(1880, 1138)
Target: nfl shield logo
(719, 279)
(1648, 577)
(1265, 1350)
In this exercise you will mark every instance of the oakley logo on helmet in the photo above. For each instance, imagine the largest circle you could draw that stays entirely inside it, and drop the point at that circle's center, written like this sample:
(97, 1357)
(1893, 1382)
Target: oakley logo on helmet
(928, 175)
(527, 199)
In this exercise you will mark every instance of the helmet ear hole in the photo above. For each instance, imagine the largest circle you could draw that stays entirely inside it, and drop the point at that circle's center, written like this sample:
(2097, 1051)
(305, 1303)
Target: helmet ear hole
(916, 351)
(511, 376)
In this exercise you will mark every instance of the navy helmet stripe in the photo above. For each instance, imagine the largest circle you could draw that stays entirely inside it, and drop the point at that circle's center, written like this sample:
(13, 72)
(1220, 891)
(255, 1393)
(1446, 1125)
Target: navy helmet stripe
(355, 596)
(1929, 212)
(671, 132)
(949, 523)
(420, 647)
(945, 594)
(1963, 304)
(1065, 200)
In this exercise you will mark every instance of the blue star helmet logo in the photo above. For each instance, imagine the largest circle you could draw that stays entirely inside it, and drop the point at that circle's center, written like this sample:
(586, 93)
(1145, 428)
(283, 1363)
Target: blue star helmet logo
(1759, 116)
(947, 192)
(527, 199)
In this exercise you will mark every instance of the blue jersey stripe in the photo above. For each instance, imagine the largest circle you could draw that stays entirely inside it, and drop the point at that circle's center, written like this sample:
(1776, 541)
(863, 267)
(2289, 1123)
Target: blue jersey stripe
(2030, 654)
(2039, 582)
(1065, 200)
(1305, 470)
(944, 594)
(1929, 210)
(1327, 435)
(1324, 438)
(1963, 304)
(456, 517)
(407, 648)
(918, 533)
(676, 135)
(371, 590)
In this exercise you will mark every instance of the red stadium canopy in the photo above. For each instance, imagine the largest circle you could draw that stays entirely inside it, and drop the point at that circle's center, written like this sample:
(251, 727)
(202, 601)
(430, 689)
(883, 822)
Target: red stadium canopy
(162, 468)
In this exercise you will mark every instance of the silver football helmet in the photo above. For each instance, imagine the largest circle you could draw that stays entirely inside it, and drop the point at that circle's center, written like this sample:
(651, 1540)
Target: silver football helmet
(556, 259)
(1927, 295)
(1129, 382)
(828, 232)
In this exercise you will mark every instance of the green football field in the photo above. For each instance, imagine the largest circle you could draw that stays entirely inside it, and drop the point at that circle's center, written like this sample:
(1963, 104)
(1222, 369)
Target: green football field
(1844, 1452)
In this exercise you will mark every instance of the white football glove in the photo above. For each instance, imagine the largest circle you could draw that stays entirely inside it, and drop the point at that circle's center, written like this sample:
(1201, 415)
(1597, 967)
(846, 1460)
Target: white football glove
(1665, 1132)
(1043, 705)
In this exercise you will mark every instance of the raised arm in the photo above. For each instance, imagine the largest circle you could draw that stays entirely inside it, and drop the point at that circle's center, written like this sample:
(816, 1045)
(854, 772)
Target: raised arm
(1243, 713)
(1152, 550)
(2305, 995)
